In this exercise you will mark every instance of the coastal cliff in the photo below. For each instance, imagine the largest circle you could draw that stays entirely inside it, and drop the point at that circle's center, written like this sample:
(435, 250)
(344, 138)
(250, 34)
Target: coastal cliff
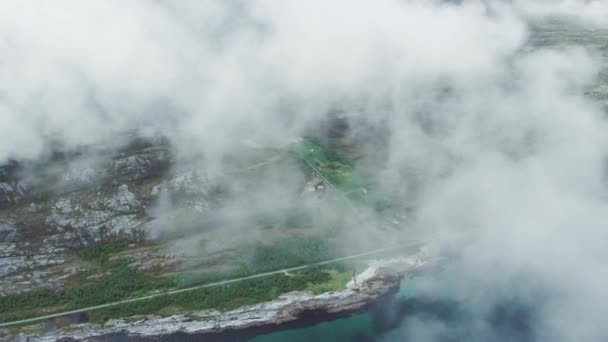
(379, 280)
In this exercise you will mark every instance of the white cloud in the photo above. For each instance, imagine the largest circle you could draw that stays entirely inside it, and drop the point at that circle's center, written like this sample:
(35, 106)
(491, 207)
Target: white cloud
(490, 136)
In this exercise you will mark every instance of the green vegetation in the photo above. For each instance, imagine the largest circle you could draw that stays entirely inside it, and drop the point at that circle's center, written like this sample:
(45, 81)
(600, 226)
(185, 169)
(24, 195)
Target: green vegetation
(27, 301)
(289, 253)
(225, 297)
(291, 218)
(188, 279)
(336, 282)
(109, 278)
(257, 259)
(100, 252)
(117, 281)
(122, 282)
(339, 173)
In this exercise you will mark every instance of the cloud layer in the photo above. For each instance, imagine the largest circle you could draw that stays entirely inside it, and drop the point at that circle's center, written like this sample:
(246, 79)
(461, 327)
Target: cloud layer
(485, 134)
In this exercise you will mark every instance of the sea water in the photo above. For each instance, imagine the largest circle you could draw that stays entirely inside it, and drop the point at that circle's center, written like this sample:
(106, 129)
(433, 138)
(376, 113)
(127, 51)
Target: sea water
(358, 327)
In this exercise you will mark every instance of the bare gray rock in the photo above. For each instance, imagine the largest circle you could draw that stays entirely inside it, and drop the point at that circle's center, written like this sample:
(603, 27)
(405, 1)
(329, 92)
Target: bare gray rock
(7, 232)
(285, 308)
(11, 193)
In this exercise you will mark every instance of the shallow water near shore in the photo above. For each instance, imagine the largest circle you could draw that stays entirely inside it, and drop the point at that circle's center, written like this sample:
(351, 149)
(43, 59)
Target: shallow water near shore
(358, 327)
(391, 319)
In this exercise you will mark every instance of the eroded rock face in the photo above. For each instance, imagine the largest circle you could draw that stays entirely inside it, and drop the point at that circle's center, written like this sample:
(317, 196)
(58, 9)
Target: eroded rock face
(87, 221)
(132, 168)
(12, 189)
(7, 232)
(379, 280)
(12, 193)
(51, 209)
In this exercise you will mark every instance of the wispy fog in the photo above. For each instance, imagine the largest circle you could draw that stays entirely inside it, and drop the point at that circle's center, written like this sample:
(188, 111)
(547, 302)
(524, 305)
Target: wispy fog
(483, 133)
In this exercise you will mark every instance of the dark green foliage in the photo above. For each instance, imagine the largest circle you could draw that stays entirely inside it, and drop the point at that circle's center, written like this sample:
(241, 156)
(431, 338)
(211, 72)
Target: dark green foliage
(290, 218)
(118, 281)
(339, 173)
(289, 253)
(121, 286)
(121, 282)
(191, 279)
(31, 300)
(225, 297)
(281, 254)
(101, 251)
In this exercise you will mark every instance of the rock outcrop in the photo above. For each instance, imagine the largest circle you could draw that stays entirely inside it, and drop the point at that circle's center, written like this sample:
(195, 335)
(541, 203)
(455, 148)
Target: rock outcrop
(50, 209)
(382, 278)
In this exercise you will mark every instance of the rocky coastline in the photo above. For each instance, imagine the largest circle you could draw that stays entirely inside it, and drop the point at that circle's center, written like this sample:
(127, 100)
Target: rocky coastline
(52, 210)
(379, 281)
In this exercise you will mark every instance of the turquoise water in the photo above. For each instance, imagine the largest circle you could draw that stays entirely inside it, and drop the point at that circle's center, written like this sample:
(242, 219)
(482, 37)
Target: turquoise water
(407, 289)
(344, 329)
(359, 326)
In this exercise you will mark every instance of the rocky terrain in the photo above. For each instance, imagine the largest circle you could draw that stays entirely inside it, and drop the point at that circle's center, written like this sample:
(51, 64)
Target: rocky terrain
(380, 279)
(135, 193)
(108, 217)
(51, 209)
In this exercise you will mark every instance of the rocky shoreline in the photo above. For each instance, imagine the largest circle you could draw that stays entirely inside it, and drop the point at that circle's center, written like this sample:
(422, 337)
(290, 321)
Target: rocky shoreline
(380, 280)
(54, 209)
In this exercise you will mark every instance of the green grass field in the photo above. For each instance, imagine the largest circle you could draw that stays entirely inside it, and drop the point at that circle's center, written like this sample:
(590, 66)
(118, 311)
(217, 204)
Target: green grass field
(340, 173)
